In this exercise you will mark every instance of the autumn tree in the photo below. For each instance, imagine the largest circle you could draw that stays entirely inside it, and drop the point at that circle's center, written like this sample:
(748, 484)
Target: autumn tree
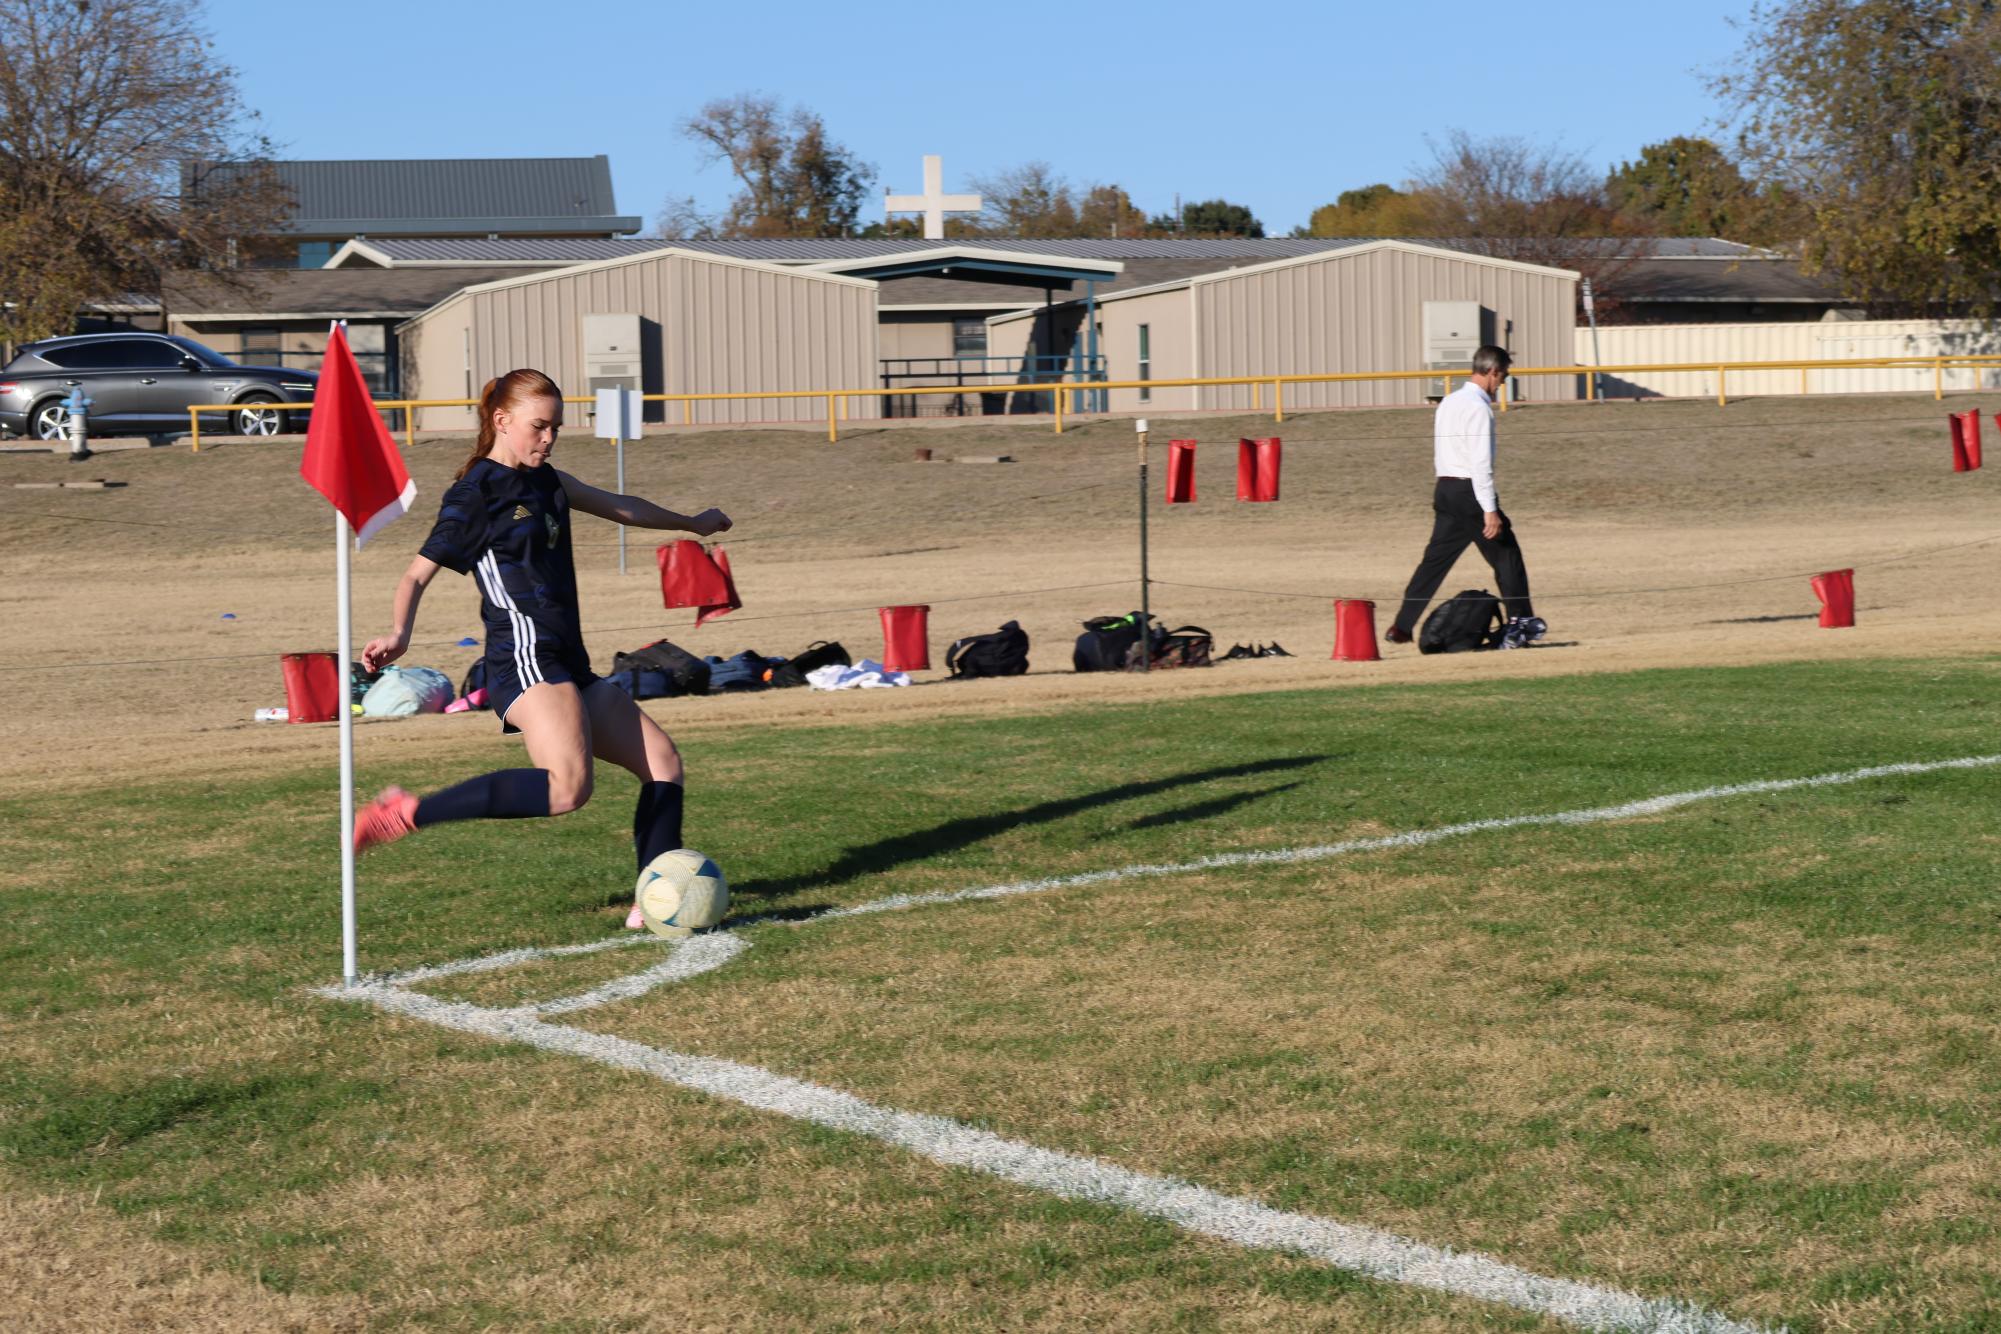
(794, 179)
(1107, 210)
(1373, 210)
(1688, 186)
(124, 152)
(1883, 117)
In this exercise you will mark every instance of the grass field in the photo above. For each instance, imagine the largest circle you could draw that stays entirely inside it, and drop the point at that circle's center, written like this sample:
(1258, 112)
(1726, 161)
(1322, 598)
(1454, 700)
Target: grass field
(1739, 1054)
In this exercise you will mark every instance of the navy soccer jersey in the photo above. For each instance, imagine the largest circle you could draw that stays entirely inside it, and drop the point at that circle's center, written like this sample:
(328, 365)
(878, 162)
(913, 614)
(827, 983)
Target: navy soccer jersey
(510, 529)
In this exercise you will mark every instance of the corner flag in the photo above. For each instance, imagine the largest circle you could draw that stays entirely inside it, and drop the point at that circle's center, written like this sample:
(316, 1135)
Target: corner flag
(350, 458)
(352, 461)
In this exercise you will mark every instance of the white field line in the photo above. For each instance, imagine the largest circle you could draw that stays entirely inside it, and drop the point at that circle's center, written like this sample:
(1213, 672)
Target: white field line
(1245, 1222)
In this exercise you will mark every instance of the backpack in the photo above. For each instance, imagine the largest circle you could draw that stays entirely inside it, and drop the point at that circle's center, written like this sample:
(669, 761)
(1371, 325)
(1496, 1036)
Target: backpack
(643, 683)
(1461, 623)
(686, 673)
(1186, 646)
(820, 653)
(1002, 653)
(1108, 641)
(745, 671)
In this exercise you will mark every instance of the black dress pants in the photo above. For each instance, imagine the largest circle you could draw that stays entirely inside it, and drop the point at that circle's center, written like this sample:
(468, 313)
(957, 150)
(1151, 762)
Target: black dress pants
(1457, 522)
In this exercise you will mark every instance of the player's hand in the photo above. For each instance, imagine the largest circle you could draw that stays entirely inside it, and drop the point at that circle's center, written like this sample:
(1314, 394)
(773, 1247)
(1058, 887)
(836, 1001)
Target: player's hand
(1492, 528)
(710, 522)
(382, 650)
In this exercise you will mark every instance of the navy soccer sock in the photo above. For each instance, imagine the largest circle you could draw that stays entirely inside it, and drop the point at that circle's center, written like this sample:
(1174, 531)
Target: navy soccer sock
(505, 794)
(656, 821)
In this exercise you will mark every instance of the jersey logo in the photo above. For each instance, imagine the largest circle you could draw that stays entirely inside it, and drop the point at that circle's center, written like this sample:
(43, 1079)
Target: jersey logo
(521, 512)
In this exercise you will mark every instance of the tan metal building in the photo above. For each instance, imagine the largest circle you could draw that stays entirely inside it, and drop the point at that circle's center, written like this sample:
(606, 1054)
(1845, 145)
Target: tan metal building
(1361, 308)
(706, 324)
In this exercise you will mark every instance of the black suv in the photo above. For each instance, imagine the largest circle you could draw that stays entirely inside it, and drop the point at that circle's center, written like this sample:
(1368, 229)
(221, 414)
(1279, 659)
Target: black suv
(142, 384)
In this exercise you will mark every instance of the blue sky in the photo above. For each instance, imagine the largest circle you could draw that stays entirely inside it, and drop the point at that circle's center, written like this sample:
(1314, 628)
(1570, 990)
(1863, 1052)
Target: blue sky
(1278, 105)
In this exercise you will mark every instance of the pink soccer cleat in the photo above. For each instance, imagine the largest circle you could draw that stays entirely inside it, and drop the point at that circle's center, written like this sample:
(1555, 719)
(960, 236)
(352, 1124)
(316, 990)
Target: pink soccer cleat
(389, 817)
(635, 920)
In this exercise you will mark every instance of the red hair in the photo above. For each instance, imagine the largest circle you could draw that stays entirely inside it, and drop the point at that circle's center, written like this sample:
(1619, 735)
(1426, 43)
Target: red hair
(508, 392)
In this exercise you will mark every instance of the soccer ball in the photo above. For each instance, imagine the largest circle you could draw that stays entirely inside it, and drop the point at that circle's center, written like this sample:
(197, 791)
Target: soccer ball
(680, 892)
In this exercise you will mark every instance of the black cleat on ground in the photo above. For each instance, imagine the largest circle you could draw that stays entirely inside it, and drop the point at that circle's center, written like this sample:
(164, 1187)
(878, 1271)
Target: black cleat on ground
(1272, 650)
(1396, 634)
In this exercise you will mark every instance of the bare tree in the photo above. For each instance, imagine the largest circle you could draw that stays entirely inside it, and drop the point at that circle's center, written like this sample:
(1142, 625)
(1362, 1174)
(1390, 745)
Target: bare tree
(1028, 200)
(681, 219)
(796, 181)
(115, 116)
(1540, 204)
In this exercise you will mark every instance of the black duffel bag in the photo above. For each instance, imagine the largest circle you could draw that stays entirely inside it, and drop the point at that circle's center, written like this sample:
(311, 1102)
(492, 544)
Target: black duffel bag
(1002, 653)
(686, 674)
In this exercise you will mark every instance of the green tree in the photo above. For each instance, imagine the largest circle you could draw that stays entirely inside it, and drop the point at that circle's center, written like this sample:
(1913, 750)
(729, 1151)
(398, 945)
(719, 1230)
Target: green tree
(795, 180)
(1883, 118)
(124, 153)
(1680, 187)
(1211, 217)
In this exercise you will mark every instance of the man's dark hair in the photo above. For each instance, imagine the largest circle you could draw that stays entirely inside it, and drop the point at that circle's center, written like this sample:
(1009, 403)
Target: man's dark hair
(1490, 358)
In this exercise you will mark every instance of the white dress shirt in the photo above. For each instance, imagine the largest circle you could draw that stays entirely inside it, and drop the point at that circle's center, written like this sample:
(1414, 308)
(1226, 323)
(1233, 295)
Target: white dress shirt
(1463, 441)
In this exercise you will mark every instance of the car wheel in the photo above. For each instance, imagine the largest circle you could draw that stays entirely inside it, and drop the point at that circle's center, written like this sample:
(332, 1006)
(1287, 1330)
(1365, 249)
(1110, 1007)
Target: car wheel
(49, 420)
(254, 417)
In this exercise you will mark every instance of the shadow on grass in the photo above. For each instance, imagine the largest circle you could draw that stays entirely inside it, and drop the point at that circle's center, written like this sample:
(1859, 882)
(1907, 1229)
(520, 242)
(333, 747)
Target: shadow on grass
(923, 844)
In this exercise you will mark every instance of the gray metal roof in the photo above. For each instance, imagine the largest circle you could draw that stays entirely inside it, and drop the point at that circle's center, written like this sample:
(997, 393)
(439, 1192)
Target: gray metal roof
(335, 195)
(560, 250)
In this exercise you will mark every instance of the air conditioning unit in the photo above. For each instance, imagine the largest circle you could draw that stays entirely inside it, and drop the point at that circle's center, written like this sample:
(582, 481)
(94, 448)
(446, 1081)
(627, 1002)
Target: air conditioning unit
(1453, 332)
(611, 353)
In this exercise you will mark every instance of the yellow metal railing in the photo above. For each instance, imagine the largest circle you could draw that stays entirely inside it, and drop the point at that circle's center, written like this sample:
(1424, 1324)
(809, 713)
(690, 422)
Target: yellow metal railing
(838, 408)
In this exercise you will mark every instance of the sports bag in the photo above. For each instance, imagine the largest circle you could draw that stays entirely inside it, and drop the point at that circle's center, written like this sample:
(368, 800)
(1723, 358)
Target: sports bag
(686, 673)
(643, 683)
(1002, 653)
(745, 671)
(1107, 643)
(1462, 623)
(401, 691)
(820, 653)
(1185, 646)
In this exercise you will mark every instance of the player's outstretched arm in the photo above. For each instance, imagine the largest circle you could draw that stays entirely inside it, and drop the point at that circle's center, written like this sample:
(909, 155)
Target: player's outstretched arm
(637, 513)
(385, 649)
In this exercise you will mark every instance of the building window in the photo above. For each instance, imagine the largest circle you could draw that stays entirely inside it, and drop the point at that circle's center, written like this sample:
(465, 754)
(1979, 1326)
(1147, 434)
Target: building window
(315, 254)
(259, 347)
(1146, 360)
(969, 338)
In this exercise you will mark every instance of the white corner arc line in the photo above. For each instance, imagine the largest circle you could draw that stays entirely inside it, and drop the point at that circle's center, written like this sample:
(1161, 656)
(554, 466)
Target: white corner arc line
(1242, 1221)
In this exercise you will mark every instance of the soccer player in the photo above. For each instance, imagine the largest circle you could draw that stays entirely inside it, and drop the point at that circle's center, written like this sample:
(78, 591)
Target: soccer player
(506, 521)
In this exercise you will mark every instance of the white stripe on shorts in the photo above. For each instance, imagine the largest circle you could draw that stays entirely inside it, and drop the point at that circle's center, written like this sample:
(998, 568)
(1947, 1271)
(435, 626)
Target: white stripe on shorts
(525, 666)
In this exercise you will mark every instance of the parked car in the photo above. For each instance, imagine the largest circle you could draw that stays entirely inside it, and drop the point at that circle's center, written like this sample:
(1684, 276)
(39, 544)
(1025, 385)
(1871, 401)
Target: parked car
(143, 384)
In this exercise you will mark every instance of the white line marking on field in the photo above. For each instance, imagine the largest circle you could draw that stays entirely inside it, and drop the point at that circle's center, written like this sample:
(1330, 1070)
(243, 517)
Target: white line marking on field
(1245, 1222)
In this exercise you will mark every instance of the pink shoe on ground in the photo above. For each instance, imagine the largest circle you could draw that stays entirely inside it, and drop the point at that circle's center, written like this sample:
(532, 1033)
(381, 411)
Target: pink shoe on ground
(389, 817)
(635, 920)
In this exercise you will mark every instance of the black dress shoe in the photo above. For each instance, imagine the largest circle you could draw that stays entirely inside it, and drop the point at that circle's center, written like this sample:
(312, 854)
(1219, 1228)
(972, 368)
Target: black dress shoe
(1396, 634)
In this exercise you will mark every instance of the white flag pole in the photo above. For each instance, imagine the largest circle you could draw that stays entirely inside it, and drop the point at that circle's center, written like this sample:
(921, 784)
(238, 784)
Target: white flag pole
(344, 705)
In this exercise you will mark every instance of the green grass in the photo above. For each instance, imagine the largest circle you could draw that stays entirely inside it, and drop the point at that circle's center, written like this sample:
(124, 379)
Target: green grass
(1743, 1053)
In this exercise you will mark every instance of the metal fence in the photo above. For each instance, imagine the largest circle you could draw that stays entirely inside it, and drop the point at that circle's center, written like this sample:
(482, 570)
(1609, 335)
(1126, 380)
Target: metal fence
(837, 400)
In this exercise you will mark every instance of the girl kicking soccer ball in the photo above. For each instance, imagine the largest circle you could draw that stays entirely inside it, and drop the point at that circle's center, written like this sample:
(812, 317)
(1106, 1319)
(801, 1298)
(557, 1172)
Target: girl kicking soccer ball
(506, 521)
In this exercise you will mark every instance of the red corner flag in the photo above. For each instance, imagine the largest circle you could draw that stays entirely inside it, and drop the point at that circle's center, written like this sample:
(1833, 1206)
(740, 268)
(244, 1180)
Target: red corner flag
(350, 457)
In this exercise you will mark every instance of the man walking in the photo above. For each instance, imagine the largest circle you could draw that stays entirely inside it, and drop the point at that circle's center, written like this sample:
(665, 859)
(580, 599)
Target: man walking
(1466, 509)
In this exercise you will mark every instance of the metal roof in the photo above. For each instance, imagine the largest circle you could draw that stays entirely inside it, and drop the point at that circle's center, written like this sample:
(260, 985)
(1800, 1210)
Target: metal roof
(799, 250)
(573, 193)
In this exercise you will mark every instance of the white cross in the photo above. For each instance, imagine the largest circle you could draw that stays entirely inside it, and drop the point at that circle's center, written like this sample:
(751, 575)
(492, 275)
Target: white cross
(934, 203)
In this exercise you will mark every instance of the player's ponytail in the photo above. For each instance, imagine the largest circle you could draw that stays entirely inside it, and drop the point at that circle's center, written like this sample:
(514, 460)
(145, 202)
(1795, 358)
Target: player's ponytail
(501, 395)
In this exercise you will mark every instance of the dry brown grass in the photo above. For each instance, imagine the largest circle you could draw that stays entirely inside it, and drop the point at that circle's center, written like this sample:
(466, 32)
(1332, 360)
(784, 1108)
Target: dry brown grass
(1612, 498)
